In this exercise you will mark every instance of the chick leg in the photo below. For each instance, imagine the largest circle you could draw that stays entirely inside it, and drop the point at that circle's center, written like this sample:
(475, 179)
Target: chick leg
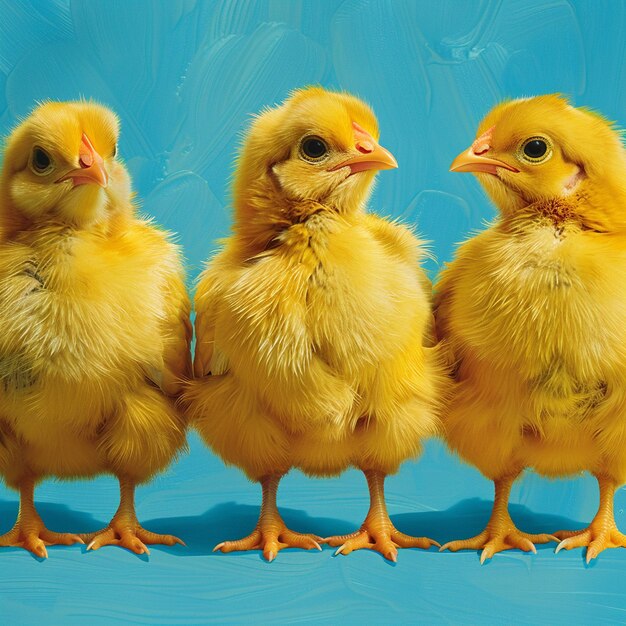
(377, 532)
(271, 533)
(125, 530)
(602, 533)
(500, 533)
(29, 531)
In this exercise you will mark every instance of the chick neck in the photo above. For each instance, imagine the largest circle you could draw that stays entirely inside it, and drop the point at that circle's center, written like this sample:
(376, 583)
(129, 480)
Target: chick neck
(14, 222)
(263, 212)
(591, 207)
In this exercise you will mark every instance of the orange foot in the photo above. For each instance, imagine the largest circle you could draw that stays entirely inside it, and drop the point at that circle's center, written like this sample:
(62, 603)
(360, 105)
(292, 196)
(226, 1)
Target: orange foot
(33, 536)
(383, 538)
(271, 536)
(498, 538)
(271, 533)
(596, 537)
(125, 530)
(128, 534)
(602, 533)
(377, 532)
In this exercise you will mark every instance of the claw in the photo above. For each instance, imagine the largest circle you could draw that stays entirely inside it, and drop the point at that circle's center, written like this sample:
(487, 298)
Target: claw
(339, 550)
(527, 545)
(219, 546)
(486, 554)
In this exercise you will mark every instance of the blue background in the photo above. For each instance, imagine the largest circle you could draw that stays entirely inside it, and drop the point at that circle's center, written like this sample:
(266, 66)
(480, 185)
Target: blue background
(184, 78)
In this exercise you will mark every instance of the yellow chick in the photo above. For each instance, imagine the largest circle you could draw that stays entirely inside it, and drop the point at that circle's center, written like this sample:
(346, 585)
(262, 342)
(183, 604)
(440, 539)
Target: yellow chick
(312, 321)
(534, 312)
(95, 323)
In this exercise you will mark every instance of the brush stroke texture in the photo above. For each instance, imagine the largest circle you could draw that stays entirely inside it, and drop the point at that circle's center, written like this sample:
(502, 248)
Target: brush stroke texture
(184, 77)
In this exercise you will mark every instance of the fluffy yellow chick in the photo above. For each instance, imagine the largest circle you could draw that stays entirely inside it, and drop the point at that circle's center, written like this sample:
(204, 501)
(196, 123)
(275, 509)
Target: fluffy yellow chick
(94, 323)
(312, 321)
(534, 311)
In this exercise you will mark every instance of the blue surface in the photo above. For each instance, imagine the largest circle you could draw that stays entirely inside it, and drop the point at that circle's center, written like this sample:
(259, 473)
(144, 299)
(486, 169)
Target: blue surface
(184, 78)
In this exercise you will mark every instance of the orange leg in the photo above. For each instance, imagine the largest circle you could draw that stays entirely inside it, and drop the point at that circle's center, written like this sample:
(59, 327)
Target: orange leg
(29, 531)
(271, 534)
(500, 533)
(124, 529)
(377, 532)
(602, 533)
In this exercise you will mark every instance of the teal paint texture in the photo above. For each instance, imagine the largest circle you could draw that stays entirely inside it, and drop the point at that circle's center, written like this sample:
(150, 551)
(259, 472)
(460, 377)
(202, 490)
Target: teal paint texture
(184, 77)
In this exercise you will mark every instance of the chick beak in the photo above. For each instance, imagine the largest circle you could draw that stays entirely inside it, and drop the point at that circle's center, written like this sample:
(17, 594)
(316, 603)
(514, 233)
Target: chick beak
(91, 168)
(474, 159)
(371, 155)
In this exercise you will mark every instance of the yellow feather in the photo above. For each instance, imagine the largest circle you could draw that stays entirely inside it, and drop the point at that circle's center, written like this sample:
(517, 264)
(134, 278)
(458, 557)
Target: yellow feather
(534, 308)
(313, 319)
(92, 304)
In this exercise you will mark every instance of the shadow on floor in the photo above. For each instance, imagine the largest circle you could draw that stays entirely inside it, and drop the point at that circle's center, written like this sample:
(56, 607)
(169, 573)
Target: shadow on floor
(230, 520)
(469, 517)
(57, 517)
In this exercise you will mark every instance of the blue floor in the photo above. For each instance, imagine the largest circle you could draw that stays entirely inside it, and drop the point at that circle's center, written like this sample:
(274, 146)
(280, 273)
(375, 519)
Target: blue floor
(184, 78)
(203, 502)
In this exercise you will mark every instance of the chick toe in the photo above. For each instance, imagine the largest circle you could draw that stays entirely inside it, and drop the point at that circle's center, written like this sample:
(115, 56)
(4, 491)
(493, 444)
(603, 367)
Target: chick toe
(270, 536)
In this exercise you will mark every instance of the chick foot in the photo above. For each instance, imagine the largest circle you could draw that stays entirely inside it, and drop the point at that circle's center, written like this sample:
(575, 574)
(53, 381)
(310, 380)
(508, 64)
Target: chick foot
(29, 531)
(271, 533)
(602, 533)
(381, 536)
(270, 537)
(377, 532)
(36, 537)
(501, 533)
(497, 538)
(125, 530)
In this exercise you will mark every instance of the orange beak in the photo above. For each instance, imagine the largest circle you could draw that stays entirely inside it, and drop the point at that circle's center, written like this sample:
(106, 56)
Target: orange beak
(474, 159)
(372, 156)
(91, 168)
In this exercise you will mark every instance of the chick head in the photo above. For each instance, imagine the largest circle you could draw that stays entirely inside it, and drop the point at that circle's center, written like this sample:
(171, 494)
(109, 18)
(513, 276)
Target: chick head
(60, 162)
(317, 146)
(541, 149)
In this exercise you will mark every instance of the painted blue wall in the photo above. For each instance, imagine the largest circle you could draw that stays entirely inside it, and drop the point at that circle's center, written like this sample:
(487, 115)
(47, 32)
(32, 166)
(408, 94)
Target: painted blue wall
(184, 78)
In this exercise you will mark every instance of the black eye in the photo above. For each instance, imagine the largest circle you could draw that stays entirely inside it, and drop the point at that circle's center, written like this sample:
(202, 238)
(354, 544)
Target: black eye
(535, 148)
(114, 151)
(41, 163)
(313, 148)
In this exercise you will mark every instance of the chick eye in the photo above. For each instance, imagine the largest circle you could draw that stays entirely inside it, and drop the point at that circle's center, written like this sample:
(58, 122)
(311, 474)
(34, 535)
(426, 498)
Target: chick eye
(535, 150)
(40, 161)
(114, 153)
(313, 148)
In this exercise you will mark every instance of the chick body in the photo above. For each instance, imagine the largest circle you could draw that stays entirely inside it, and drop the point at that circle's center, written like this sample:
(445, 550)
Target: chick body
(543, 310)
(315, 331)
(316, 334)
